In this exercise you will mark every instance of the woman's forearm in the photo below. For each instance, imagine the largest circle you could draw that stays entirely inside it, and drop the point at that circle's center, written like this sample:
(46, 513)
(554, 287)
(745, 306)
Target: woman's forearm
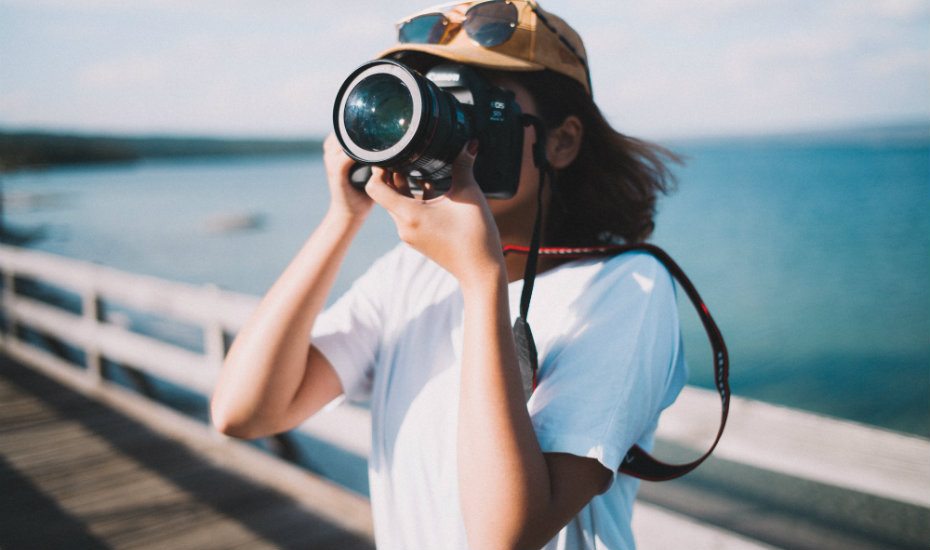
(503, 475)
(268, 359)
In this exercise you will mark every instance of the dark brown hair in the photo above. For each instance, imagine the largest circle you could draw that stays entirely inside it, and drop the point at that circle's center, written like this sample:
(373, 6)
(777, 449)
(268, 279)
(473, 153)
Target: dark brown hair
(608, 194)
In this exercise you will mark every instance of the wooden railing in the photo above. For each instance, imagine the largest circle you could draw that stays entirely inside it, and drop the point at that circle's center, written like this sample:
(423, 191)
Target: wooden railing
(216, 313)
(890, 466)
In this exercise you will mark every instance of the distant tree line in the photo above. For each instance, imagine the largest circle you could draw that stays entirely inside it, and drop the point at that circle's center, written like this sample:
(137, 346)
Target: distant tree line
(36, 149)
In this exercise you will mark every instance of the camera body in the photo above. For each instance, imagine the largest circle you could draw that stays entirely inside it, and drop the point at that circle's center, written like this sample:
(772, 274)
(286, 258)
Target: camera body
(387, 114)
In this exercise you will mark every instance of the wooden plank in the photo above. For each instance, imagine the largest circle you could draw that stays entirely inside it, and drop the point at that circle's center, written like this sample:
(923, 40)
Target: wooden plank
(202, 534)
(334, 504)
(132, 489)
(19, 415)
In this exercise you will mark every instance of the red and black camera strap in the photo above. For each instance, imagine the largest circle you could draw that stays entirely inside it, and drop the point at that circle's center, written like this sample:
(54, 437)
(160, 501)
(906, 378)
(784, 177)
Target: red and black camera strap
(637, 462)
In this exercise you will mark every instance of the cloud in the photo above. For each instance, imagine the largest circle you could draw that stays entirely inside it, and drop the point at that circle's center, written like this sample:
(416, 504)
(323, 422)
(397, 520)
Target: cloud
(901, 10)
(659, 68)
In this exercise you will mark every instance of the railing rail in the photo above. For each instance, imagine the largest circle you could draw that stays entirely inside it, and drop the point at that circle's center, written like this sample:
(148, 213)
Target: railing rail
(217, 313)
(790, 442)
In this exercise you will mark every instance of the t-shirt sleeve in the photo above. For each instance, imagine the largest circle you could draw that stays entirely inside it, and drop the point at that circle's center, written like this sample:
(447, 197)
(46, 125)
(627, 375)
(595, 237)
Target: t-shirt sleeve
(614, 365)
(348, 333)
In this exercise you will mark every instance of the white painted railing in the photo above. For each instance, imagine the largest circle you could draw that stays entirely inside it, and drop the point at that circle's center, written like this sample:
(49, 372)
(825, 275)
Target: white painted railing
(215, 312)
(793, 443)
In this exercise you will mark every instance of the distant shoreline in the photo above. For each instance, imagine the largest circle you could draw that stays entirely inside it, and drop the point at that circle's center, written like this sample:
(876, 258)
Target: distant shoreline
(36, 149)
(902, 133)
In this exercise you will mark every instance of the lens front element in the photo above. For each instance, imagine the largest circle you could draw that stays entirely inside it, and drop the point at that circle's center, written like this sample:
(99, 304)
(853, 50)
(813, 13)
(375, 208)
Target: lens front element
(378, 112)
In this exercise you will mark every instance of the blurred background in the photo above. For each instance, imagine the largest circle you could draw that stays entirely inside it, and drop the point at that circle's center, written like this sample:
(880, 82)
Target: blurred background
(181, 139)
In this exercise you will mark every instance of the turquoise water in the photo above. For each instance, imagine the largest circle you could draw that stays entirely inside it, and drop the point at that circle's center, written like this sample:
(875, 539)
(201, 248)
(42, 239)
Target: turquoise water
(815, 259)
(813, 255)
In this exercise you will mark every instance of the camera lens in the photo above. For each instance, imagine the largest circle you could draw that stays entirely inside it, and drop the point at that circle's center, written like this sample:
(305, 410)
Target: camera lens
(378, 111)
(390, 115)
(381, 113)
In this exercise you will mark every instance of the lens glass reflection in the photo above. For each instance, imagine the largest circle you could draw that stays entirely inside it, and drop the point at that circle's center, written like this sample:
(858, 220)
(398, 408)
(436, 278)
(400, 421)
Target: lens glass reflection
(377, 112)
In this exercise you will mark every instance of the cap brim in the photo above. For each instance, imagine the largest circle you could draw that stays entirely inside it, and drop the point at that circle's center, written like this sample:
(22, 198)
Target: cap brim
(469, 54)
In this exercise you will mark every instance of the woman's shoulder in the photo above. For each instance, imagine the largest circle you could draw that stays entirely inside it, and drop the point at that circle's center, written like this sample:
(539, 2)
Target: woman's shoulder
(594, 291)
(596, 275)
(642, 269)
(635, 261)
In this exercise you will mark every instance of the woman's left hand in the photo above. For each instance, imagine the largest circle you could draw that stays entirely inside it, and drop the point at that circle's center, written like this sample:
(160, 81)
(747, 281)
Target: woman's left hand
(456, 230)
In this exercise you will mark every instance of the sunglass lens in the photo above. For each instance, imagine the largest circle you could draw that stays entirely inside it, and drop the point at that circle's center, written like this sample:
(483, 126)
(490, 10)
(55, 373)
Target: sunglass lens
(491, 23)
(423, 29)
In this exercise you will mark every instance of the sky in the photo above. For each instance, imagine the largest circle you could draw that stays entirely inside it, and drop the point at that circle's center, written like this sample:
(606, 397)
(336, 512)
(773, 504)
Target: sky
(271, 68)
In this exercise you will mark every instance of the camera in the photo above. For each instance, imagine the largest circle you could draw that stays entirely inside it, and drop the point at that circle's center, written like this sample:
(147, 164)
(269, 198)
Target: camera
(390, 115)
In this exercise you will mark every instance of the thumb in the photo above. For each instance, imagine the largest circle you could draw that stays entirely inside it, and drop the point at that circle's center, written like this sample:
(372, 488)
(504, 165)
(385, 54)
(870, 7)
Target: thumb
(381, 191)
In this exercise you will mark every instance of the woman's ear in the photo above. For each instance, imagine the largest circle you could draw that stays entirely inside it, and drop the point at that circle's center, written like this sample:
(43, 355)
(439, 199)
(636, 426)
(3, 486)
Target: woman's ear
(564, 142)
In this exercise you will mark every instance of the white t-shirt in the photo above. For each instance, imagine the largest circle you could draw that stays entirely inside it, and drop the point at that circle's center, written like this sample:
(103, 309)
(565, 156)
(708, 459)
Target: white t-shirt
(610, 360)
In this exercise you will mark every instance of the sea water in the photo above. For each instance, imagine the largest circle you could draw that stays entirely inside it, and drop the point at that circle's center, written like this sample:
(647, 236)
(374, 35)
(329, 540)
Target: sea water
(812, 254)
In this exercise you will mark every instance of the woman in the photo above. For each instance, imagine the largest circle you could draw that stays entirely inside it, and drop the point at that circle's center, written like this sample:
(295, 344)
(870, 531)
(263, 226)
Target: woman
(459, 458)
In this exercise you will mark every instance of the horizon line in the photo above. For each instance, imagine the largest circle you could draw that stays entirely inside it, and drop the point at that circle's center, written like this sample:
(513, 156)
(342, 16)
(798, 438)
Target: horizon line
(914, 123)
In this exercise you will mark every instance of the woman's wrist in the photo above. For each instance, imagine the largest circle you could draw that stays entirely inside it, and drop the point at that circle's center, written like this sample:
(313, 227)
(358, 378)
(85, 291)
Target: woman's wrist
(344, 217)
(484, 280)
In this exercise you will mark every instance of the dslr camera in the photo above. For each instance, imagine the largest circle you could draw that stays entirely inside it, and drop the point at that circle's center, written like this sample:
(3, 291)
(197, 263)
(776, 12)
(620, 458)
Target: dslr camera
(387, 114)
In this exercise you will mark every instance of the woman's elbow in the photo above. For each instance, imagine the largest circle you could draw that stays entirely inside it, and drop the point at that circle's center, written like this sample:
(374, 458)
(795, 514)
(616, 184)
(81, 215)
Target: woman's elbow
(233, 424)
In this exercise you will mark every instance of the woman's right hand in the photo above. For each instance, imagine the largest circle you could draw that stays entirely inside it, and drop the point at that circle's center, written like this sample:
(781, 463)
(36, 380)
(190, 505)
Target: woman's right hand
(344, 198)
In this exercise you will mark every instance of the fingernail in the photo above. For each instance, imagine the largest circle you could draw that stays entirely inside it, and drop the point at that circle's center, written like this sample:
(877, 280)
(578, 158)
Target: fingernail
(473, 147)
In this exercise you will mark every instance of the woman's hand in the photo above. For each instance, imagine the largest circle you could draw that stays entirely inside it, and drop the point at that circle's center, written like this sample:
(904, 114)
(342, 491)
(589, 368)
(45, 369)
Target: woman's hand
(344, 199)
(455, 230)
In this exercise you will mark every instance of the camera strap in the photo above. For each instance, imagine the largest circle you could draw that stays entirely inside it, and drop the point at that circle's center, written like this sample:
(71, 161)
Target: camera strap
(522, 335)
(637, 462)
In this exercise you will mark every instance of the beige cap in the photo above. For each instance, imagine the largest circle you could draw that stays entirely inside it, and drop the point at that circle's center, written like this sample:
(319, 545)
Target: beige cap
(536, 44)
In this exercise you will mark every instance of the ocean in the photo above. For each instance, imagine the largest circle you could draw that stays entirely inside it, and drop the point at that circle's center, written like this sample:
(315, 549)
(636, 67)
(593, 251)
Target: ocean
(812, 253)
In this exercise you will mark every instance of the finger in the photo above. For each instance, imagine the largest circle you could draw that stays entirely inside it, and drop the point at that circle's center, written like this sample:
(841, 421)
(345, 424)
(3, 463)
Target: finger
(335, 157)
(463, 166)
(331, 146)
(383, 192)
(401, 183)
(330, 141)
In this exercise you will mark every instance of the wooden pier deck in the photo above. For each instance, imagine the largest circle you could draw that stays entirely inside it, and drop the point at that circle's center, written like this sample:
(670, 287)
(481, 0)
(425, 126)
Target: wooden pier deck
(77, 474)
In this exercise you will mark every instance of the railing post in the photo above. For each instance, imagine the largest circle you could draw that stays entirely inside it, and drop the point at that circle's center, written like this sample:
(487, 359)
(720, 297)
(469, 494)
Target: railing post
(214, 344)
(214, 340)
(9, 297)
(90, 309)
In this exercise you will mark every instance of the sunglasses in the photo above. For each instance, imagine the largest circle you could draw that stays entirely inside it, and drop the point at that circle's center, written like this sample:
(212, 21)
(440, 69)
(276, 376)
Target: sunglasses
(488, 24)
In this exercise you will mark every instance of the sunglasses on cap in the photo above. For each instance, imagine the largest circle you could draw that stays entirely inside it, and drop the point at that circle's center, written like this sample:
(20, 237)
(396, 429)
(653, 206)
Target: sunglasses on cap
(488, 24)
